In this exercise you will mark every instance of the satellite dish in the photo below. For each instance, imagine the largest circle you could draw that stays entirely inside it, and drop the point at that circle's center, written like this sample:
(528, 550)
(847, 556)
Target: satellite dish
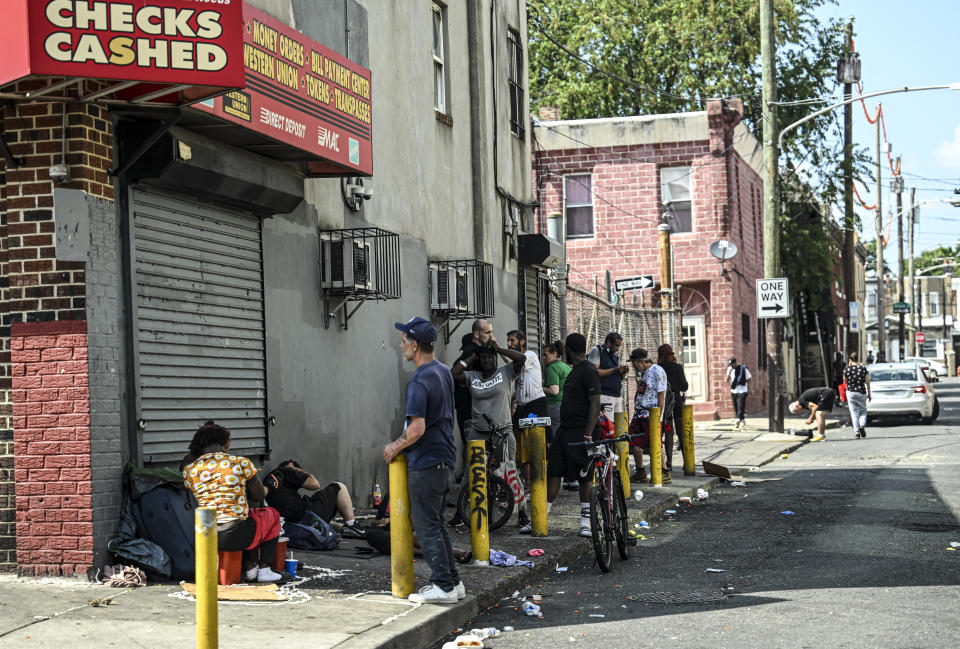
(723, 249)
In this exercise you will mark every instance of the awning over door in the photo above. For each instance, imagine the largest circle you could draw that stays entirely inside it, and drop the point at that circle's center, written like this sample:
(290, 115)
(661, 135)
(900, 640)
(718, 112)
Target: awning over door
(199, 324)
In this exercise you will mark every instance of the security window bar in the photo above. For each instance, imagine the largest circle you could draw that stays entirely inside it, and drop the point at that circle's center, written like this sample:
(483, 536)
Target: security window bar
(515, 80)
(460, 289)
(676, 198)
(439, 52)
(578, 205)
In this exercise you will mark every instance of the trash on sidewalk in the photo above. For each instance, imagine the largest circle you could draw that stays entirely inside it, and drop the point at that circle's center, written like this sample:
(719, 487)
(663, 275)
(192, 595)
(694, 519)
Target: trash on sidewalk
(784, 456)
(535, 552)
(714, 570)
(686, 499)
(738, 483)
(562, 568)
(787, 512)
(467, 640)
(508, 628)
(488, 632)
(716, 469)
(638, 495)
(955, 544)
(499, 558)
(243, 592)
(530, 609)
(643, 524)
(702, 494)
(670, 511)
(120, 576)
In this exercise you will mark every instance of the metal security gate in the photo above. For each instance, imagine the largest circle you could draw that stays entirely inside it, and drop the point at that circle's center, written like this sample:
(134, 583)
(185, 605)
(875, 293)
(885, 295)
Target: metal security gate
(531, 308)
(199, 325)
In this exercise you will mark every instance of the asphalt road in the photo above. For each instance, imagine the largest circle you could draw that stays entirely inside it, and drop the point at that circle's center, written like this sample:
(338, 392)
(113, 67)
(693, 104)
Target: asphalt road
(863, 560)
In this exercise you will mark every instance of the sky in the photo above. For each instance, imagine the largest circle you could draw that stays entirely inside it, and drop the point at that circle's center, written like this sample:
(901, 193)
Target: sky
(909, 44)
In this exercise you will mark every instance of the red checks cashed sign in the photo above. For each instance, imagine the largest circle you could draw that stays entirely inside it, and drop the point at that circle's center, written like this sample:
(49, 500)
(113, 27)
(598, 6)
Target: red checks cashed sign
(303, 94)
(182, 42)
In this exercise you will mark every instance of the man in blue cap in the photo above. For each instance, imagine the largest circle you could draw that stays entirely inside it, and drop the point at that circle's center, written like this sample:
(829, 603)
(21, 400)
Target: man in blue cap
(427, 439)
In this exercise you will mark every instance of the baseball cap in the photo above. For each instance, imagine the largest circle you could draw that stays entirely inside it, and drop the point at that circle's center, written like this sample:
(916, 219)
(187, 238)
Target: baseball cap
(419, 329)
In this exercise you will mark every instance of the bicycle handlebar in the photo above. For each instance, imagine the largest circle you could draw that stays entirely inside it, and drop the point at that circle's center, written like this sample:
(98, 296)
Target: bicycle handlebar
(612, 440)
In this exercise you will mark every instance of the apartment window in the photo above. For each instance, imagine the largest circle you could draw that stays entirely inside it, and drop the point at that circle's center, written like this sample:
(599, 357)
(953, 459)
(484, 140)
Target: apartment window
(675, 195)
(578, 205)
(745, 327)
(515, 80)
(439, 57)
(933, 302)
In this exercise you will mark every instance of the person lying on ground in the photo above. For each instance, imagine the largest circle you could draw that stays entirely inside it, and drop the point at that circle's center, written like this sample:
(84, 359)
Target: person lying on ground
(220, 480)
(378, 537)
(283, 486)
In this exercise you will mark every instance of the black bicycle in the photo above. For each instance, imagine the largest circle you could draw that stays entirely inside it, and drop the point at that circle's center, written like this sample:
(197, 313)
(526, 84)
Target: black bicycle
(608, 507)
(500, 495)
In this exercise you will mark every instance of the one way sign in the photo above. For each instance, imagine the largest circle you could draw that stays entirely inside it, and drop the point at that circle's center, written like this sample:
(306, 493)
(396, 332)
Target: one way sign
(773, 298)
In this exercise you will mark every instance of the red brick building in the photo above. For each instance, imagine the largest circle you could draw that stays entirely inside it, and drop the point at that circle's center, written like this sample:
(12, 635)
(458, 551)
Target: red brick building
(614, 180)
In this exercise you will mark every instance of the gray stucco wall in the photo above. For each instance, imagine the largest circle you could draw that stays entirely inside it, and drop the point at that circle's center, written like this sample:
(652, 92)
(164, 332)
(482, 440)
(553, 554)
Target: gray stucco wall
(104, 341)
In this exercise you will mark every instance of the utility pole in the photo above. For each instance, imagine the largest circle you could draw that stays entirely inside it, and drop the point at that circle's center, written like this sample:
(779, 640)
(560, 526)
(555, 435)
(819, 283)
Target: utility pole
(912, 296)
(666, 280)
(881, 285)
(849, 244)
(771, 225)
(898, 188)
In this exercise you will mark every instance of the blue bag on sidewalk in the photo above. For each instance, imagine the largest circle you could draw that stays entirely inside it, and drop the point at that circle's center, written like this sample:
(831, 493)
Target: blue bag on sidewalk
(311, 533)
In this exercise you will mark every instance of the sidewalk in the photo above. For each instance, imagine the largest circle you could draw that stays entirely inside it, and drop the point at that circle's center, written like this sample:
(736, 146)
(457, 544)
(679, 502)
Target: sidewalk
(341, 599)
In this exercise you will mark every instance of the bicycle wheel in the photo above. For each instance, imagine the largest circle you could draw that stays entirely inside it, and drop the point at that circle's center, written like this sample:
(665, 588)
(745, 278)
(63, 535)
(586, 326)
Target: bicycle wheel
(499, 502)
(600, 527)
(620, 517)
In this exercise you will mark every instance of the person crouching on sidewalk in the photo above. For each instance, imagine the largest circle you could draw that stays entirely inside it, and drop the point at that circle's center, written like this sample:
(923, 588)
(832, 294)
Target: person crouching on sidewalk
(819, 401)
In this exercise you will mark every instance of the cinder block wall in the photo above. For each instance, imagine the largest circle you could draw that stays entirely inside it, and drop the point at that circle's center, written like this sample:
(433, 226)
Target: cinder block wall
(38, 292)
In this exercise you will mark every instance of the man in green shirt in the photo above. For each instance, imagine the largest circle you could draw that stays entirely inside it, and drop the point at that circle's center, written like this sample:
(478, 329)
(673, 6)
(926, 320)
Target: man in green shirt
(556, 375)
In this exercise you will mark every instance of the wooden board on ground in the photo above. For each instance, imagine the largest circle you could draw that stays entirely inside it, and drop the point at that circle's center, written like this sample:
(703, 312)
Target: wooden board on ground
(243, 592)
(724, 473)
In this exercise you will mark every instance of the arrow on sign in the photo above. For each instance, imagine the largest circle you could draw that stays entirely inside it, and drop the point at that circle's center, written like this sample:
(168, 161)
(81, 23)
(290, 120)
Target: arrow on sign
(776, 307)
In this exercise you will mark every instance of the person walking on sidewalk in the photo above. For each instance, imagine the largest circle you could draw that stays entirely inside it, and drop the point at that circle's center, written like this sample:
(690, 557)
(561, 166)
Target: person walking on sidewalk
(677, 385)
(818, 401)
(427, 440)
(606, 359)
(579, 416)
(858, 394)
(738, 375)
(651, 392)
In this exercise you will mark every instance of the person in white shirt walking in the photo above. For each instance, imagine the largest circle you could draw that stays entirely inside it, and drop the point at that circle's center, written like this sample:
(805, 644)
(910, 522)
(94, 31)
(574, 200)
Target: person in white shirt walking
(739, 377)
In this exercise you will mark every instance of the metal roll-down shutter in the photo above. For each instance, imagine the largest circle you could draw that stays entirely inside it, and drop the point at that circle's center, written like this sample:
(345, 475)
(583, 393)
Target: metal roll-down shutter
(531, 296)
(199, 324)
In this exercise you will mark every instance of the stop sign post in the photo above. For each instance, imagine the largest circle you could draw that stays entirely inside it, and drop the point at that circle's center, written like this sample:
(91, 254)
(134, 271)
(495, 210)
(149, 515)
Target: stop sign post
(920, 338)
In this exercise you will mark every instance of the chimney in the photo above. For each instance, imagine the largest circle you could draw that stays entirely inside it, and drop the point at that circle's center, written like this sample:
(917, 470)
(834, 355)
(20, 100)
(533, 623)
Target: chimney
(549, 113)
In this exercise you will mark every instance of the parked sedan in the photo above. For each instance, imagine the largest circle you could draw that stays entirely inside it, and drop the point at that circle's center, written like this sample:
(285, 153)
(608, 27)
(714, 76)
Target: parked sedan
(936, 369)
(902, 389)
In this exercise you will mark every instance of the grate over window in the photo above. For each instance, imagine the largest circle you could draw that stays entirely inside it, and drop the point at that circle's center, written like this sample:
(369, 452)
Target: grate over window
(356, 265)
(461, 288)
(515, 80)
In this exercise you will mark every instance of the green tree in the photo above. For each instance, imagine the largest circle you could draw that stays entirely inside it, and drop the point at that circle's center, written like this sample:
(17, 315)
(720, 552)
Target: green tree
(937, 257)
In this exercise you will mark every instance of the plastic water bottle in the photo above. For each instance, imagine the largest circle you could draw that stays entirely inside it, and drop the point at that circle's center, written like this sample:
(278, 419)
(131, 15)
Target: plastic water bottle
(377, 495)
(793, 431)
(483, 634)
(531, 609)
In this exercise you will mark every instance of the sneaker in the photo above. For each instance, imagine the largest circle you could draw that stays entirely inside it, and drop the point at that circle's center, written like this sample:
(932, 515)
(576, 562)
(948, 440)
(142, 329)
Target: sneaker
(585, 527)
(817, 438)
(265, 575)
(433, 594)
(741, 424)
(863, 432)
(352, 532)
(666, 478)
(460, 590)
(251, 574)
(524, 526)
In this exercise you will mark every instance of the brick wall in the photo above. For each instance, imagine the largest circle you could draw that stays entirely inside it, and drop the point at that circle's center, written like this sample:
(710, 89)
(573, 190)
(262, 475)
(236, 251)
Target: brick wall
(36, 287)
(627, 209)
(51, 417)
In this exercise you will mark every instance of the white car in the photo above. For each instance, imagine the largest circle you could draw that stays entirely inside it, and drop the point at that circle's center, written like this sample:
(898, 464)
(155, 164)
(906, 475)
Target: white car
(902, 389)
(935, 368)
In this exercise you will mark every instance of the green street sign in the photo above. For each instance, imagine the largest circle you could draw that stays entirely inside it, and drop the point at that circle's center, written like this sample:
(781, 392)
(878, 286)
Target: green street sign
(901, 307)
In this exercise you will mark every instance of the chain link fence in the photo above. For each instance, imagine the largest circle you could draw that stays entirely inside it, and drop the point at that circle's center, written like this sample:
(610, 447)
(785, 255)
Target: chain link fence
(594, 316)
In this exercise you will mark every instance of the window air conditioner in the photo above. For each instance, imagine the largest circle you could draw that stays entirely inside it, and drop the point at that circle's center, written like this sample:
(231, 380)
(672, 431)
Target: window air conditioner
(346, 266)
(448, 289)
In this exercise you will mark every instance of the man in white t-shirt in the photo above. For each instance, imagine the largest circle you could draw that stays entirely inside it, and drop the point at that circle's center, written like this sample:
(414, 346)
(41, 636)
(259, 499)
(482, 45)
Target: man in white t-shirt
(739, 376)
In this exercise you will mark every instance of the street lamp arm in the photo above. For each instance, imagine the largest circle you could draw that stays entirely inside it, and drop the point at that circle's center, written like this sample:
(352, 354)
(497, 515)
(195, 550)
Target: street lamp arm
(955, 203)
(790, 127)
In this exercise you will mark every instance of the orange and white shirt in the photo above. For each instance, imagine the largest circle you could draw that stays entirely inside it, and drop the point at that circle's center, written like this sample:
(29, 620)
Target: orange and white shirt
(219, 480)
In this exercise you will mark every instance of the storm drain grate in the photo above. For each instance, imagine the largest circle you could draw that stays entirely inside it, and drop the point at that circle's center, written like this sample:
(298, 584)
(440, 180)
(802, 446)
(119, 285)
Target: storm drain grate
(689, 597)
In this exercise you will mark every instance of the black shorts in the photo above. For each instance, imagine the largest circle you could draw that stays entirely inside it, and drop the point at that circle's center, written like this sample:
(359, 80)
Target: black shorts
(565, 461)
(323, 503)
(828, 399)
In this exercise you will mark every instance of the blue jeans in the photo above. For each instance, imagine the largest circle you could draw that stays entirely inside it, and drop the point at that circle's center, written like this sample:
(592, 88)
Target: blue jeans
(857, 402)
(428, 499)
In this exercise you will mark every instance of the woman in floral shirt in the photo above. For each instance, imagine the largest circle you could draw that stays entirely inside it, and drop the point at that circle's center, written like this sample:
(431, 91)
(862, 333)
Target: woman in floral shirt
(221, 481)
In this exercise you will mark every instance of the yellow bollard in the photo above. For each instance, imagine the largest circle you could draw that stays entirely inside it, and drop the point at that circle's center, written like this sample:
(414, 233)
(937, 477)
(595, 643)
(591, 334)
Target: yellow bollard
(623, 452)
(689, 461)
(205, 540)
(479, 512)
(401, 529)
(523, 452)
(656, 463)
(537, 438)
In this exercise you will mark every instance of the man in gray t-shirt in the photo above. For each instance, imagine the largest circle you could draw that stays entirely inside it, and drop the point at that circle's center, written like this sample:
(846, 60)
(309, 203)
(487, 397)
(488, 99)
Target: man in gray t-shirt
(491, 397)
